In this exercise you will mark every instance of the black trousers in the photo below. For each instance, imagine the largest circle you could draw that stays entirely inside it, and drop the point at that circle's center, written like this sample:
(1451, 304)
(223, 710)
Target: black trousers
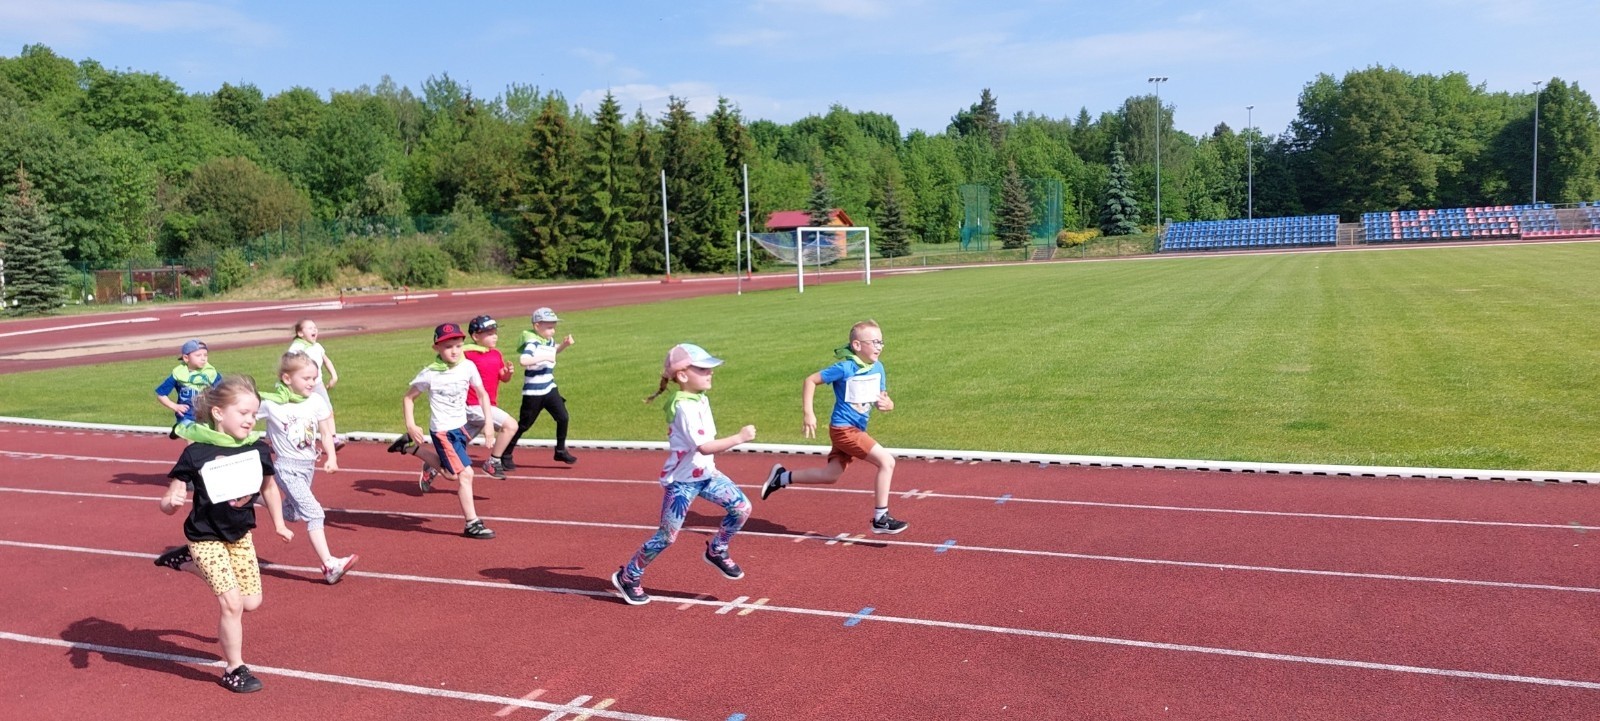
(531, 406)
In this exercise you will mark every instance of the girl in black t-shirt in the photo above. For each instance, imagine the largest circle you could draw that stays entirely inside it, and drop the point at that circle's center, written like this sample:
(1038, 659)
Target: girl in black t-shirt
(229, 466)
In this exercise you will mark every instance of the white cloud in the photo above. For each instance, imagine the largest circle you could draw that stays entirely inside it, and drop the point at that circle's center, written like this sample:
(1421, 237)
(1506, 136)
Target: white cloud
(702, 98)
(76, 21)
(608, 65)
(858, 9)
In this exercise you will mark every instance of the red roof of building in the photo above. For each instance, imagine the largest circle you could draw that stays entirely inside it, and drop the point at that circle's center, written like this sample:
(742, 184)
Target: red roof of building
(791, 219)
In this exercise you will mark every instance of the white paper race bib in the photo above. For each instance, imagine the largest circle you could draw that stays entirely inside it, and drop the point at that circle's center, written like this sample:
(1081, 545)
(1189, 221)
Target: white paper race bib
(232, 477)
(863, 389)
(543, 353)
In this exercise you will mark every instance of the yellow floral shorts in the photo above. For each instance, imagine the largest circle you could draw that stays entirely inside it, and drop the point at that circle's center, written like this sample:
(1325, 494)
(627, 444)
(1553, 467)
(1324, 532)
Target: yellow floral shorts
(227, 566)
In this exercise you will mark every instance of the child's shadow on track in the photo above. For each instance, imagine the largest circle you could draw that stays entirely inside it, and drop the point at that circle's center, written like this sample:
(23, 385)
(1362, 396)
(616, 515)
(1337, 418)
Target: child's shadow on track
(388, 522)
(550, 577)
(140, 479)
(101, 632)
(379, 487)
(754, 524)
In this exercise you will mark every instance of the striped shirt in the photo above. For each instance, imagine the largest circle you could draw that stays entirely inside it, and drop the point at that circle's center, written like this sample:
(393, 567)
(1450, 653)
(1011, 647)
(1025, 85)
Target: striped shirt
(540, 378)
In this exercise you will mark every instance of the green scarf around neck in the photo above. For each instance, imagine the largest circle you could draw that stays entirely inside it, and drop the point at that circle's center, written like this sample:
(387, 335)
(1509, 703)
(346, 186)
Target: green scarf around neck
(843, 352)
(474, 347)
(202, 433)
(679, 397)
(439, 365)
(282, 394)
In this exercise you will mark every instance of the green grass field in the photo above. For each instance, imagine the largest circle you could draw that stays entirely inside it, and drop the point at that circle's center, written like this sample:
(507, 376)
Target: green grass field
(1483, 357)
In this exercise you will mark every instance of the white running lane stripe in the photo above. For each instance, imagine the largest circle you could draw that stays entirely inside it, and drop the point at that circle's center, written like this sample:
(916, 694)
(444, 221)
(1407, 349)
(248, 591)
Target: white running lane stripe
(570, 708)
(831, 540)
(841, 615)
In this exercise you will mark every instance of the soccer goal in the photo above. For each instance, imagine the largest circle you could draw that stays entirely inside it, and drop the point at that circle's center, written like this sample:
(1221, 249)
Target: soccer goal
(819, 247)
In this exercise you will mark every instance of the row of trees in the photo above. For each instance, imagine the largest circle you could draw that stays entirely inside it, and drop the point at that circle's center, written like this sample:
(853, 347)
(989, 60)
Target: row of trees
(133, 167)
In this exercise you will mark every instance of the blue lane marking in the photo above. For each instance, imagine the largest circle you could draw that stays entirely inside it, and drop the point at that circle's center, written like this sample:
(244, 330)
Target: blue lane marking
(947, 545)
(853, 620)
(1002, 499)
(736, 717)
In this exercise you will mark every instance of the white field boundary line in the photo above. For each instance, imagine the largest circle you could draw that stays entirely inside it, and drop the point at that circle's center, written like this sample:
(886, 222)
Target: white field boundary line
(564, 709)
(1297, 469)
(910, 621)
(831, 539)
(921, 495)
(318, 305)
(52, 329)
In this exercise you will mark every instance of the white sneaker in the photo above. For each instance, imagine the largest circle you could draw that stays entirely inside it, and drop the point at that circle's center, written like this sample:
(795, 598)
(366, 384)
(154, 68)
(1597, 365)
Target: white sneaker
(333, 573)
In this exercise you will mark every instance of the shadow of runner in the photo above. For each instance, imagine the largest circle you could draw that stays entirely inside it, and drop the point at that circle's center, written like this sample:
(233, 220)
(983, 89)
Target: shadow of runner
(101, 632)
(140, 479)
(549, 577)
(388, 522)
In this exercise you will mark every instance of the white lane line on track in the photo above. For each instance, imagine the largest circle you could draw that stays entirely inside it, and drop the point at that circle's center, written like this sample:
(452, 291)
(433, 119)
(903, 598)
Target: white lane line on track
(923, 495)
(342, 680)
(321, 305)
(845, 539)
(54, 328)
(872, 618)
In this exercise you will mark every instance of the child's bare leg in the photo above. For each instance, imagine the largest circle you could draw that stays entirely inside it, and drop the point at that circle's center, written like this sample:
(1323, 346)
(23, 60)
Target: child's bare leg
(502, 437)
(468, 508)
(826, 474)
(319, 542)
(880, 457)
(230, 629)
(429, 457)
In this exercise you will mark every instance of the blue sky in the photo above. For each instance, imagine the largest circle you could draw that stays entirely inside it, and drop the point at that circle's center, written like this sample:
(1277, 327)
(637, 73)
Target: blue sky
(918, 60)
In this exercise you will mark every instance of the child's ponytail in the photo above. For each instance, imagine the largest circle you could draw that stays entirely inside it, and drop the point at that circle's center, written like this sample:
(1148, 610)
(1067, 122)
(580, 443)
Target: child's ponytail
(659, 391)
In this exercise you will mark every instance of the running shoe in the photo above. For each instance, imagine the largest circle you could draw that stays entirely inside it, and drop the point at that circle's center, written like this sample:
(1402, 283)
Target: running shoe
(340, 566)
(888, 524)
(723, 563)
(174, 558)
(632, 593)
(240, 680)
(772, 485)
(476, 529)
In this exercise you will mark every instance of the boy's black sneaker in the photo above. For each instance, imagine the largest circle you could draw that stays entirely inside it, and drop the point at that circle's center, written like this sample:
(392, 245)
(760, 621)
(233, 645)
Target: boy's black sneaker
(888, 524)
(771, 486)
(174, 558)
(240, 680)
(506, 464)
(632, 593)
(724, 564)
(565, 457)
(476, 529)
(400, 445)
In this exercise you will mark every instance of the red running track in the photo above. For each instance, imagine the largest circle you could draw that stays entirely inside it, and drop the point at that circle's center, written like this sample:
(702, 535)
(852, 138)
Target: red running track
(1018, 591)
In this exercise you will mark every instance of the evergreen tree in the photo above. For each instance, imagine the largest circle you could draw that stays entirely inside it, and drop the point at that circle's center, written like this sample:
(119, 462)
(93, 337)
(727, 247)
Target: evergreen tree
(894, 237)
(699, 193)
(545, 201)
(30, 252)
(604, 241)
(645, 207)
(1118, 209)
(820, 206)
(1016, 211)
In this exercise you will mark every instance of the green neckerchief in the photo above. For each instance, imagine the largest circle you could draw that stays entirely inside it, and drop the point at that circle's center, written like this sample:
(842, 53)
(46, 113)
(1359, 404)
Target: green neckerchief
(201, 378)
(474, 347)
(282, 394)
(439, 365)
(202, 433)
(844, 353)
(530, 336)
(299, 343)
(679, 397)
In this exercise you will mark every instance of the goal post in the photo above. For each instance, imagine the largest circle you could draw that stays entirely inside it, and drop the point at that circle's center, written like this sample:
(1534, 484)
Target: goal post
(822, 245)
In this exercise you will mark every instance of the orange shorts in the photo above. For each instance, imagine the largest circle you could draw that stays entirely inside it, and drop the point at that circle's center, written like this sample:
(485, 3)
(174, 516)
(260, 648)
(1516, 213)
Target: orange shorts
(849, 443)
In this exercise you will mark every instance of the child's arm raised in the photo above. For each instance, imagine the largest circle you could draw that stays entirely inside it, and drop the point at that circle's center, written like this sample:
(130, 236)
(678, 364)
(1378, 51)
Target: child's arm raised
(711, 448)
(173, 499)
(808, 391)
(565, 343)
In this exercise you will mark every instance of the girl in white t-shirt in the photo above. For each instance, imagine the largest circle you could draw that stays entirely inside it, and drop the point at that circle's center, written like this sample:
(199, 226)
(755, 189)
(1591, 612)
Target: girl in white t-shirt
(305, 341)
(299, 422)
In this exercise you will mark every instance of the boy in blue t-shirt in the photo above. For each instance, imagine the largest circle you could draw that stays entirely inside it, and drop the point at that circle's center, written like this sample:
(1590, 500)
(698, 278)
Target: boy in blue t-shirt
(190, 378)
(859, 385)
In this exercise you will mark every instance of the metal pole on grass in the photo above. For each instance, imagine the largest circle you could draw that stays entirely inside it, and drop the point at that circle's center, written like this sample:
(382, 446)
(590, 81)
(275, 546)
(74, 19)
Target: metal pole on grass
(799, 261)
(746, 173)
(1158, 81)
(1538, 87)
(666, 235)
(1250, 157)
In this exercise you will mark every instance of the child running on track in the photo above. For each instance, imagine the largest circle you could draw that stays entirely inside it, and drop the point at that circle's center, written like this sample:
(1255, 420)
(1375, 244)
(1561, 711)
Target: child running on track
(298, 422)
(483, 351)
(690, 471)
(538, 358)
(190, 378)
(446, 381)
(229, 467)
(305, 341)
(860, 384)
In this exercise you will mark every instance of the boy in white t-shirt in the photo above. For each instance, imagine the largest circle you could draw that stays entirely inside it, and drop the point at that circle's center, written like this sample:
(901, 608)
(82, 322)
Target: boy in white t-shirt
(690, 471)
(446, 382)
(299, 422)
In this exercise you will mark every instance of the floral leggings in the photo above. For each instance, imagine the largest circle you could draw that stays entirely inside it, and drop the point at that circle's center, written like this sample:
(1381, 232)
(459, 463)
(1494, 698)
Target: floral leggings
(718, 489)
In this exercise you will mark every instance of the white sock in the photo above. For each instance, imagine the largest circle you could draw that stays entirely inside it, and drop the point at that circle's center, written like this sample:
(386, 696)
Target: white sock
(879, 513)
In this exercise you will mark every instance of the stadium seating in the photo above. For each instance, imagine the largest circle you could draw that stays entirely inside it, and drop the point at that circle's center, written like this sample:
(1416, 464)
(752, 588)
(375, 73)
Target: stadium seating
(1482, 223)
(1314, 230)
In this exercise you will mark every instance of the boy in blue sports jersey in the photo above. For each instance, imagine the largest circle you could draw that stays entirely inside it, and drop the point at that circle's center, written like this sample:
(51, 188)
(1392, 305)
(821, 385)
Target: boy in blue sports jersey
(190, 378)
(859, 385)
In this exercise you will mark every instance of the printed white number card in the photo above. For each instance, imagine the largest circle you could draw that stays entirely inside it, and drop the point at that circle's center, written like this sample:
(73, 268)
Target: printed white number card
(231, 477)
(863, 389)
(543, 353)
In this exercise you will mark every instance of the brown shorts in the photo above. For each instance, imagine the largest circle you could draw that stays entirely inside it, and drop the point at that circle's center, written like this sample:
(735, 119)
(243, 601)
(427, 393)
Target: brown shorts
(849, 443)
(227, 566)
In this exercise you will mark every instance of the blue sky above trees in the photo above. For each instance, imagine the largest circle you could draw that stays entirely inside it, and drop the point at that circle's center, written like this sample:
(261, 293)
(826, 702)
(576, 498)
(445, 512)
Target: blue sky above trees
(918, 60)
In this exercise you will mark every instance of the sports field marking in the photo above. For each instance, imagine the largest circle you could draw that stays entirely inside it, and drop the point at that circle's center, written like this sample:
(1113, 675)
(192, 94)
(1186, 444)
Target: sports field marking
(321, 305)
(96, 324)
(506, 711)
(846, 539)
(561, 709)
(1006, 498)
(864, 615)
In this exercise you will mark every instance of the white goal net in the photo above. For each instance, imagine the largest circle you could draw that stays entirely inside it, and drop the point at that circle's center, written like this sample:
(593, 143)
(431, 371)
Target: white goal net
(819, 247)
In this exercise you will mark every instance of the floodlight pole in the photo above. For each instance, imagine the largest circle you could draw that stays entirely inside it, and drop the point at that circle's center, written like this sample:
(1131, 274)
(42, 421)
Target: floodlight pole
(1250, 158)
(747, 241)
(1158, 81)
(799, 261)
(666, 235)
(1538, 87)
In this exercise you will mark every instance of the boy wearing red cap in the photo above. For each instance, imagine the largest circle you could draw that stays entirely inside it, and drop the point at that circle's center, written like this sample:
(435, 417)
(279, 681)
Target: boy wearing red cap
(446, 381)
(484, 352)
